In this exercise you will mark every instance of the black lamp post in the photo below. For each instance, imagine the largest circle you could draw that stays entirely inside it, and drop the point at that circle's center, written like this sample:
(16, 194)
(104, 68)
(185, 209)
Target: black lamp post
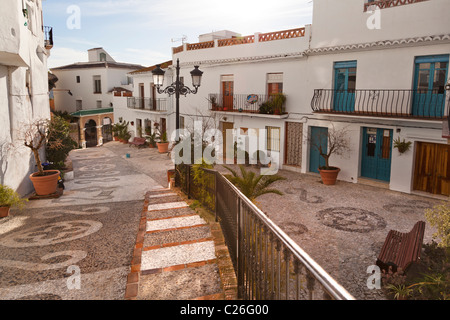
(177, 87)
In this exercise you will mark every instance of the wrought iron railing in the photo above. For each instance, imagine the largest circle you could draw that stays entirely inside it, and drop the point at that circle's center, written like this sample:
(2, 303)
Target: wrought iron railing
(420, 104)
(149, 104)
(268, 264)
(246, 103)
(48, 37)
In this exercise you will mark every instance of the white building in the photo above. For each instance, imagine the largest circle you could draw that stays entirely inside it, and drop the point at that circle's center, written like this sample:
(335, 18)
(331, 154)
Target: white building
(24, 49)
(145, 106)
(86, 90)
(380, 74)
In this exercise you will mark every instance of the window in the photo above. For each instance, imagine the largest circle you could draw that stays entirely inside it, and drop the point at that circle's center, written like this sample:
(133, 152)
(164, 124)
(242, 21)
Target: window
(99, 104)
(79, 105)
(273, 139)
(102, 56)
(181, 122)
(78, 79)
(97, 84)
(274, 83)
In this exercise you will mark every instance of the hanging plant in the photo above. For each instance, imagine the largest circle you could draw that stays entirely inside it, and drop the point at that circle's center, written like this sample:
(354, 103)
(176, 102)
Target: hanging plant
(402, 146)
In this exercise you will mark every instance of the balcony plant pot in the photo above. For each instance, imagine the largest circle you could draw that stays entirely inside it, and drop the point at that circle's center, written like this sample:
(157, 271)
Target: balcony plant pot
(329, 175)
(46, 184)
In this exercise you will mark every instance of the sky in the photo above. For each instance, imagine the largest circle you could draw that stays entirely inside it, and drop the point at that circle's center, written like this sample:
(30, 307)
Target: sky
(144, 31)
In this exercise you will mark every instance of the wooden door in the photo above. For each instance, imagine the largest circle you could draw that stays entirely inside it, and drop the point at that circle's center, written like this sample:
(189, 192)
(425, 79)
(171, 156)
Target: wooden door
(153, 91)
(226, 126)
(142, 95)
(227, 94)
(318, 139)
(377, 154)
(293, 144)
(432, 171)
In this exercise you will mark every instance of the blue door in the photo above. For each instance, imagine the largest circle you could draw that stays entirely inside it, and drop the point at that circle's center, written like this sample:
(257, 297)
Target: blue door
(377, 154)
(429, 86)
(344, 86)
(319, 138)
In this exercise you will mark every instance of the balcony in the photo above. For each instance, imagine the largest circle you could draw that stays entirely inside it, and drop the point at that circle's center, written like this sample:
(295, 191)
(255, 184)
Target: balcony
(48, 37)
(248, 103)
(383, 4)
(147, 104)
(408, 104)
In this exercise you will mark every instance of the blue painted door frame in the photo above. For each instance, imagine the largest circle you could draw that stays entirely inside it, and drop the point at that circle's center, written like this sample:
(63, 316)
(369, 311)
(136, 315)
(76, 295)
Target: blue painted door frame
(430, 77)
(319, 136)
(344, 86)
(377, 154)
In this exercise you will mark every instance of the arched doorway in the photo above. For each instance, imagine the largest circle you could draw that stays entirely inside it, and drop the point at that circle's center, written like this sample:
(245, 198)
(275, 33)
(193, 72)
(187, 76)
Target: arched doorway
(107, 129)
(90, 134)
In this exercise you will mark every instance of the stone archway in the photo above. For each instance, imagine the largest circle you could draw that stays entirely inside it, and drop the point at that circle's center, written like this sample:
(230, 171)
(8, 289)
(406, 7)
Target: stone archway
(90, 133)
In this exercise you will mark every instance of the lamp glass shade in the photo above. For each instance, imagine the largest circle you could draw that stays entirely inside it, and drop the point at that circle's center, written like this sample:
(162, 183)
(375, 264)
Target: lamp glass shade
(158, 76)
(196, 77)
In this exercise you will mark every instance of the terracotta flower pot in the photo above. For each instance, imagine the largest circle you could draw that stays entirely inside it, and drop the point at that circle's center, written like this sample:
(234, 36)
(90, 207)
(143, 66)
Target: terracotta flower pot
(4, 212)
(329, 177)
(45, 185)
(163, 147)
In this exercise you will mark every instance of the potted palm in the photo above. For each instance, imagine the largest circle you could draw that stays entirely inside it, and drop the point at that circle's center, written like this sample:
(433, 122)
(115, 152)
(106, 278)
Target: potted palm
(163, 143)
(338, 144)
(251, 184)
(8, 199)
(34, 136)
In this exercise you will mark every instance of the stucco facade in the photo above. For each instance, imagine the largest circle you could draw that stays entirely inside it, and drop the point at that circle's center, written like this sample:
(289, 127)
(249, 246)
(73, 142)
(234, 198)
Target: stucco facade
(24, 50)
(378, 53)
(89, 87)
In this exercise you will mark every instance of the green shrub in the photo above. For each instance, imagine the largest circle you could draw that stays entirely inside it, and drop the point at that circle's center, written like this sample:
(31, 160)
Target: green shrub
(10, 198)
(59, 142)
(439, 218)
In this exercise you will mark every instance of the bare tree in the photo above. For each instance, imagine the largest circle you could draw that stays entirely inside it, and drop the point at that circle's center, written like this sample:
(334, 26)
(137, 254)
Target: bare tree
(5, 150)
(338, 143)
(34, 136)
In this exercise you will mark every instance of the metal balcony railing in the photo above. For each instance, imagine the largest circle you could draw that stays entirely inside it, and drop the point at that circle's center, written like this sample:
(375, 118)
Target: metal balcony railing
(148, 104)
(268, 264)
(247, 103)
(48, 37)
(419, 104)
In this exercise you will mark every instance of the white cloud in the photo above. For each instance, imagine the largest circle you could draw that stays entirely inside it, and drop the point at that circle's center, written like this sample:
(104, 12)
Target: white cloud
(64, 56)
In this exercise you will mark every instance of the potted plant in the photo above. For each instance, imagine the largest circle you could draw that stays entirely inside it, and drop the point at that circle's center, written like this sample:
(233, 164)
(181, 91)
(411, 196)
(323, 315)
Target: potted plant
(163, 142)
(115, 130)
(338, 144)
(8, 199)
(152, 140)
(402, 146)
(34, 136)
(278, 101)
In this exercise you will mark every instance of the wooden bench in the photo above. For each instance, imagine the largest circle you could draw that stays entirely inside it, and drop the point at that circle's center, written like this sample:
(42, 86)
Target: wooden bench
(401, 249)
(138, 142)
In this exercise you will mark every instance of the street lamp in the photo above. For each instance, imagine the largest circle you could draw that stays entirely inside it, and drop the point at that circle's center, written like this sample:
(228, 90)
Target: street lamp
(177, 88)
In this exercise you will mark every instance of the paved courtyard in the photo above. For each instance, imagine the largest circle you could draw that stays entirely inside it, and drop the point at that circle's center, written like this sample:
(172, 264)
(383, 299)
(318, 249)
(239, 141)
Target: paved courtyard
(85, 244)
(342, 227)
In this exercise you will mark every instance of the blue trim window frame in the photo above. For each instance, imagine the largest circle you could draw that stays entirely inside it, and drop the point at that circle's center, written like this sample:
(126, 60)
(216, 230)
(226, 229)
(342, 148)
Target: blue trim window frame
(344, 86)
(430, 77)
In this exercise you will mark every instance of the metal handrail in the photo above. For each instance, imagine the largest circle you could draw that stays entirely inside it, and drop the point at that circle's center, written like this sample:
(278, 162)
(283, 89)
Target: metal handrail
(394, 103)
(335, 290)
(247, 230)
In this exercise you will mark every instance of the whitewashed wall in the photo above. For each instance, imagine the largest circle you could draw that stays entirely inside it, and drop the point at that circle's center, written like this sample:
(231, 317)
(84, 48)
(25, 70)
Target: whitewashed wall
(23, 60)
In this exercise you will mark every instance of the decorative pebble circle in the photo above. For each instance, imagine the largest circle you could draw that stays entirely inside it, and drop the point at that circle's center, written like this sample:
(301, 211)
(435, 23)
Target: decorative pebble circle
(351, 219)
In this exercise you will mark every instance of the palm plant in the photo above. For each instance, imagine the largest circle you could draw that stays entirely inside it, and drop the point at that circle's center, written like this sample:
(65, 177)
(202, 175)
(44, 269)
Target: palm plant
(251, 184)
